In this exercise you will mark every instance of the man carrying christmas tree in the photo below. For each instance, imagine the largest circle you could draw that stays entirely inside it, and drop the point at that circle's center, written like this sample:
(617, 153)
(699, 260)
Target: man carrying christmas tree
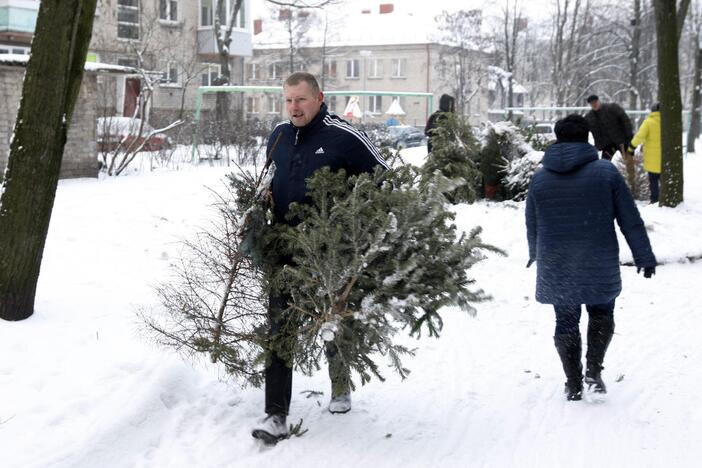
(571, 208)
(312, 138)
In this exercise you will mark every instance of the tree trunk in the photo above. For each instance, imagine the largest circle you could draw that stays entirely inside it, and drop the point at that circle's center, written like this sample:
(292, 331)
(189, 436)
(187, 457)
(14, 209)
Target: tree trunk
(671, 103)
(49, 93)
(694, 131)
(634, 57)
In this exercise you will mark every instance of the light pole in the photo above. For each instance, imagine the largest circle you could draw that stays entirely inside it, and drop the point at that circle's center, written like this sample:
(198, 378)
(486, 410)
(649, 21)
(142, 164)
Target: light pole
(365, 54)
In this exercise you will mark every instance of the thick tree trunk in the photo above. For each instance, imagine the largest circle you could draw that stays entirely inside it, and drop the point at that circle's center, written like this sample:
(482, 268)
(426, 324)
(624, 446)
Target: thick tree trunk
(634, 58)
(671, 103)
(49, 93)
(694, 131)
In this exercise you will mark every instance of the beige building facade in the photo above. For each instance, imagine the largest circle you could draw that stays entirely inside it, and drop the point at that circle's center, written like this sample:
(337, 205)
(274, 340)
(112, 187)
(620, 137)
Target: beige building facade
(388, 52)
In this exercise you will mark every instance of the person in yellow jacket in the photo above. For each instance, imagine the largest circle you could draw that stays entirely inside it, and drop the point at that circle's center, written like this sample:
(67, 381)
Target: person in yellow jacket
(649, 135)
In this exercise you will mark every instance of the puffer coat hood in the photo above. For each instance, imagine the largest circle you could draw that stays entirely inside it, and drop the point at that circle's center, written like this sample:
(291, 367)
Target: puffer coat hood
(565, 157)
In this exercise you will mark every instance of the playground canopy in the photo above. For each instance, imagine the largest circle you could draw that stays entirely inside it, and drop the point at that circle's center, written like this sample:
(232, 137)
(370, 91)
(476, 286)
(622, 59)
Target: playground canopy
(395, 109)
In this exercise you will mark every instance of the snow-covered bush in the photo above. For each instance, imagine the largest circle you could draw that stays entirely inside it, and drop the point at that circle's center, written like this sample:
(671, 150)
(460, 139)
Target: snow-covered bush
(519, 172)
(503, 144)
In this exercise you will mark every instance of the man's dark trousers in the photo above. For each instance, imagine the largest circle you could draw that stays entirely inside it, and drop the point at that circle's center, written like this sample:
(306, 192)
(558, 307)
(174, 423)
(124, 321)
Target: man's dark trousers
(279, 374)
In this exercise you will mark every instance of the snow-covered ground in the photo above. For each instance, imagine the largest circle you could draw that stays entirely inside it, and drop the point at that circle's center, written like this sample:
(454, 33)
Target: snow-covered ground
(81, 387)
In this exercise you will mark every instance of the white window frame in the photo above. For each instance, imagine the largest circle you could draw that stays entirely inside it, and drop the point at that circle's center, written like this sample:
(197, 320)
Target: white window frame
(354, 69)
(210, 15)
(275, 104)
(252, 104)
(399, 68)
(169, 16)
(240, 22)
(255, 69)
(167, 78)
(273, 69)
(13, 49)
(375, 68)
(375, 104)
(137, 25)
(207, 69)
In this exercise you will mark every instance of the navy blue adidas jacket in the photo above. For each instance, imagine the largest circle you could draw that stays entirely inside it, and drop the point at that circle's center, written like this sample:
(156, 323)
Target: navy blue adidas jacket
(571, 208)
(327, 140)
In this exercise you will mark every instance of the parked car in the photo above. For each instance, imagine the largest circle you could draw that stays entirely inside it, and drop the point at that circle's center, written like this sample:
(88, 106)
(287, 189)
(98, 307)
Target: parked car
(405, 136)
(113, 130)
(544, 132)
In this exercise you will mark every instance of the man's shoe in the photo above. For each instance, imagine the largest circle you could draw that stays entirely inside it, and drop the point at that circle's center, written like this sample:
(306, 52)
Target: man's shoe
(340, 404)
(271, 430)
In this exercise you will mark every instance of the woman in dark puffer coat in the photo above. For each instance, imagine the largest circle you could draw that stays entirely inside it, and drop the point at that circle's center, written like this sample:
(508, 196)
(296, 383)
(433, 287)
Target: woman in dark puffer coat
(571, 208)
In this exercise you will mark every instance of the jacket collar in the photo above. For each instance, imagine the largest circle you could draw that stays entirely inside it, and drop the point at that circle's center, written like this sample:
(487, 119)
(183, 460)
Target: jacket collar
(315, 123)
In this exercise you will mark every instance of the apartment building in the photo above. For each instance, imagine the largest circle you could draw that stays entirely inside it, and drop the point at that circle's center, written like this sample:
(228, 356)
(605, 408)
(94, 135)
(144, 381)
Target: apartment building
(173, 41)
(384, 50)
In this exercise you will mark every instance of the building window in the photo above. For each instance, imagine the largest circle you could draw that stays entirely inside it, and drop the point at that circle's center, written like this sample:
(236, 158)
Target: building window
(352, 68)
(332, 104)
(207, 13)
(399, 68)
(375, 68)
(168, 10)
(128, 19)
(275, 105)
(331, 68)
(241, 16)
(209, 74)
(169, 77)
(253, 71)
(375, 104)
(8, 49)
(275, 71)
(128, 62)
(252, 104)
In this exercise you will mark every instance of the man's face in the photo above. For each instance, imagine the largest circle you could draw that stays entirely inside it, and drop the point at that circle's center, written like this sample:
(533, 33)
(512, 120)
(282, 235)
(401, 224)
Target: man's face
(302, 103)
(595, 105)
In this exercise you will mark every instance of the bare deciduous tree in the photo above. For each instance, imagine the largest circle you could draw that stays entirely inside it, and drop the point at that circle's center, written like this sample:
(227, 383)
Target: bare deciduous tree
(460, 61)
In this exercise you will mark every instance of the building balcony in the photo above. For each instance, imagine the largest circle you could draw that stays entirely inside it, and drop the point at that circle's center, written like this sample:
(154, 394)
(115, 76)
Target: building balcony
(17, 20)
(240, 45)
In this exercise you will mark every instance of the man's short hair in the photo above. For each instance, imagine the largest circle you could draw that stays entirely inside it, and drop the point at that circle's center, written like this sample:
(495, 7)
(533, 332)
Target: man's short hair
(298, 77)
(572, 129)
(592, 97)
(656, 107)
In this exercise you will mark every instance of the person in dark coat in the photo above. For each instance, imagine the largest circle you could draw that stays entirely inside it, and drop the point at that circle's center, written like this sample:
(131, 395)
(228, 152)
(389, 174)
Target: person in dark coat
(446, 104)
(610, 126)
(572, 204)
(312, 138)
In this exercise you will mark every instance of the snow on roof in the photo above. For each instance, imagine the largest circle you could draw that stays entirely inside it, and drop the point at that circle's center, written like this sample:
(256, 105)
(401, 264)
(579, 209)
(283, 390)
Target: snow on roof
(353, 29)
(20, 60)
